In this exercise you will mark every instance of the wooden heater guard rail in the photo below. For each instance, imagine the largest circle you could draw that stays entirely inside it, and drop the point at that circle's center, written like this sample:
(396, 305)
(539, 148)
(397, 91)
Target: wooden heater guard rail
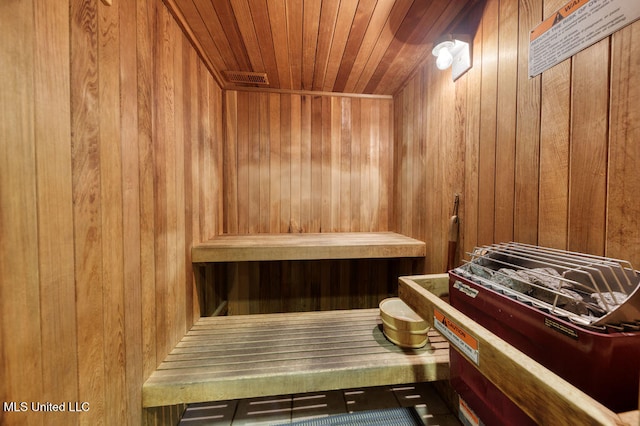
(544, 396)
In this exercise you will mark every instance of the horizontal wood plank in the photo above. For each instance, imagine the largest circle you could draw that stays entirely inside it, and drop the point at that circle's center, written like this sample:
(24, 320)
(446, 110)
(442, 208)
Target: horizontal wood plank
(258, 355)
(307, 246)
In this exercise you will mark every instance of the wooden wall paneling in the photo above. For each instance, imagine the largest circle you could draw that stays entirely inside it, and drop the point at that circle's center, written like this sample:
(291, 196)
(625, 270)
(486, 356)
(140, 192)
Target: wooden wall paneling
(55, 257)
(253, 165)
(285, 164)
(111, 213)
(366, 135)
(275, 172)
(295, 150)
(164, 129)
(527, 154)
(433, 129)
(554, 149)
(469, 197)
(506, 120)
(230, 165)
(20, 258)
(377, 165)
(264, 152)
(623, 208)
(131, 226)
(588, 149)
(243, 163)
(386, 176)
(357, 160)
(317, 183)
(488, 123)
(345, 164)
(456, 173)
(87, 200)
(145, 19)
(306, 195)
(335, 139)
(327, 186)
(191, 171)
(181, 182)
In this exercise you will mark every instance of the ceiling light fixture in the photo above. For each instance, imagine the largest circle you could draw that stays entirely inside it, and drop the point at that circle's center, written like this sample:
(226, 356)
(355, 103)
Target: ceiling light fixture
(455, 52)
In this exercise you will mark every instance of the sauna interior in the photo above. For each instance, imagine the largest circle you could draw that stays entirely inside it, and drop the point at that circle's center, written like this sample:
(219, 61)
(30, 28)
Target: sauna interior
(124, 145)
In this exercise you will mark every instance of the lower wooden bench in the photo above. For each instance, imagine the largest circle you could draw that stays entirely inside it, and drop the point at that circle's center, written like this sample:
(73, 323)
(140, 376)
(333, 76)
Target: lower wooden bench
(247, 356)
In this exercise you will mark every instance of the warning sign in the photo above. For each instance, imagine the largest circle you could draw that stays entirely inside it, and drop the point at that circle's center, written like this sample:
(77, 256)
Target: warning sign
(576, 26)
(457, 335)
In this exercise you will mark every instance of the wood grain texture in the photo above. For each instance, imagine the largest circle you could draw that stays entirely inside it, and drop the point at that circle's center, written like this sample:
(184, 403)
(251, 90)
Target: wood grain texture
(359, 46)
(546, 155)
(245, 356)
(306, 159)
(306, 246)
(98, 187)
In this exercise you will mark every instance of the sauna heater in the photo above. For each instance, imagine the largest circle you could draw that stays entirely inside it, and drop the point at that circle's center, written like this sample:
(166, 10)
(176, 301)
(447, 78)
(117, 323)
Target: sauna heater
(576, 314)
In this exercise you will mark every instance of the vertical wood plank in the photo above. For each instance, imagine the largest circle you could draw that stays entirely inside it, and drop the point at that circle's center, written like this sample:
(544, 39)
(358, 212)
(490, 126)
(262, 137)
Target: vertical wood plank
(305, 163)
(588, 149)
(131, 226)
(527, 155)
(145, 19)
(231, 178)
(19, 288)
(506, 120)
(52, 119)
(623, 209)
(87, 200)
(554, 150)
(275, 172)
(488, 123)
(111, 213)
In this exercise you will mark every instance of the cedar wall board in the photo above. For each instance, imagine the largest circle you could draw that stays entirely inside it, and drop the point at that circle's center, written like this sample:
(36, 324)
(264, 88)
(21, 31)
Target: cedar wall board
(109, 170)
(113, 165)
(547, 160)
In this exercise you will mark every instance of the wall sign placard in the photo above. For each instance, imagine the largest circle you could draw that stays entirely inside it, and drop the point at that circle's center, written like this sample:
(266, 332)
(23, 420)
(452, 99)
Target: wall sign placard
(576, 26)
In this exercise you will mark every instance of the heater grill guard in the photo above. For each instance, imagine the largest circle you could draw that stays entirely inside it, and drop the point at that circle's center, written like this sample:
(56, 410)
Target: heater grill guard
(591, 291)
(523, 294)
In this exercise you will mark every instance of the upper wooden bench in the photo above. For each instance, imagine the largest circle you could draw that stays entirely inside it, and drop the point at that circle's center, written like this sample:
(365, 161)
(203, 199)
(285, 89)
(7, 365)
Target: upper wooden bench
(307, 246)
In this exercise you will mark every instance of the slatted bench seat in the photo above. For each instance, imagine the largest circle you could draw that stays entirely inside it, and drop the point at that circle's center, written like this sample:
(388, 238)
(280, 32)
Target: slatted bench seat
(246, 356)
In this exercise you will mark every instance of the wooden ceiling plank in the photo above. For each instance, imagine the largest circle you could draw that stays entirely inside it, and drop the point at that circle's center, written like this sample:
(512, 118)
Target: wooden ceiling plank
(344, 25)
(328, 19)
(279, 30)
(376, 25)
(242, 12)
(310, 27)
(417, 38)
(186, 13)
(262, 25)
(229, 28)
(364, 15)
(395, 19)
(204, 23)
(294, 34)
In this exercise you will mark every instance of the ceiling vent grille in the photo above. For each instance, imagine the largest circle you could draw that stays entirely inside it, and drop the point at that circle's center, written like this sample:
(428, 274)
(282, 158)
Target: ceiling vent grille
(244, 77)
